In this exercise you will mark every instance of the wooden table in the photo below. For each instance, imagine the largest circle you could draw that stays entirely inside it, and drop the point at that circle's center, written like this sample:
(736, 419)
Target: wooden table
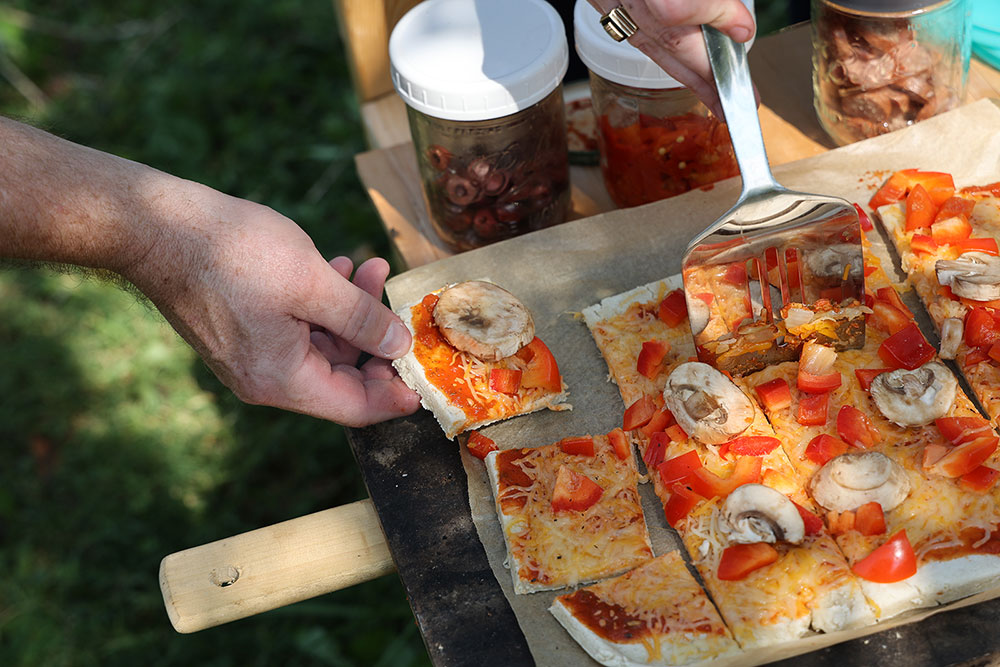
(782, 69)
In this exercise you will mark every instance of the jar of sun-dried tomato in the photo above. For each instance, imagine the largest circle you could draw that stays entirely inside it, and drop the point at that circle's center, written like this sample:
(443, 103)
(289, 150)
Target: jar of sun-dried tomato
(881, 65)
(656, 139)
(482, 82)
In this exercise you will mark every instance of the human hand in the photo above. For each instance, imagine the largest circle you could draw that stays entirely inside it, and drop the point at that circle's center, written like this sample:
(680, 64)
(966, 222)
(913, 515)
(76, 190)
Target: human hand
(669, 32)
(277, 324)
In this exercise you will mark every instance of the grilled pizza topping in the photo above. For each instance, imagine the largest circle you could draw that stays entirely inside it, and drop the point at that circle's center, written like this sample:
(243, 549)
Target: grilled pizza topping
(698, 315)
(974, 275)
(706, 404)
(851, 480)
(951, 336)
(758, 513)
(917, 397)
(483, 319)
(839, 262)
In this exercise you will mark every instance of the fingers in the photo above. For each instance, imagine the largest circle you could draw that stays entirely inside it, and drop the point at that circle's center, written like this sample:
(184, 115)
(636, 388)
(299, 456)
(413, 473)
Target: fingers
(350, 396)
(354, 313)
(343, 266)
(728, 16)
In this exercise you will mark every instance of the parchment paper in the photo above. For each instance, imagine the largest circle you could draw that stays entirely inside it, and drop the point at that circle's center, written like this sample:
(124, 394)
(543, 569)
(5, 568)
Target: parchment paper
(560, 271)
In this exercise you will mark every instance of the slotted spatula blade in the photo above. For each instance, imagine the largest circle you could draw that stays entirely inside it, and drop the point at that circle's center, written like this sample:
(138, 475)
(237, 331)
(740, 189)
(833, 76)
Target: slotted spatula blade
(780, 267)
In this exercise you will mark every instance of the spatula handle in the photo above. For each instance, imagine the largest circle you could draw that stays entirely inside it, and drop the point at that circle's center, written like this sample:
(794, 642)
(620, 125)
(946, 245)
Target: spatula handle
(732, 78)
(274, 566)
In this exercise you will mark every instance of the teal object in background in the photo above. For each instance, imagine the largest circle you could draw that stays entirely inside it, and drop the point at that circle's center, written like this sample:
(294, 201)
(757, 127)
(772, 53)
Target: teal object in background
(986, 31)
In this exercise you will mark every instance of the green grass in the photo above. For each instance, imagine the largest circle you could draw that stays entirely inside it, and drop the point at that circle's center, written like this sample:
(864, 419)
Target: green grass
(117, 446)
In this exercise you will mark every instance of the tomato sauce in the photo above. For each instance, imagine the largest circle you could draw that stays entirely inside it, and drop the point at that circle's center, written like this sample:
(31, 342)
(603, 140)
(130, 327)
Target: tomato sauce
(510, 474)
(435, 355)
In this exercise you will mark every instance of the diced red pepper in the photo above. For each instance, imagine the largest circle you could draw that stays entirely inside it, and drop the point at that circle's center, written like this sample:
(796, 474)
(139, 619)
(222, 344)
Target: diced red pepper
(966, 457)
(813, 523)
(867, 375)
(824, 447)
(863, 219)
(739, 560)
(709, 485)
(660, 420)
(817, 384)
(676, 433)
(673, 308)
(869, 519)
(920, 209)
(855, 429)
(655, 450)
(975, 356)
(580, 446)
(680, 503)
(736, 274)
(813, 409)
(542, 371)
(639, 413)
(620, 443)
(889, 563)
(957, 430)
(887, 318)
(839, 523)
(479, 445)
(939, 185)
(923, 243)
(774, 395)
(979, 479)
(652, 358)
(678, 468)
(891, 296)
(505, 380)
(981, 328)
(987, 245)
(891, 191)
(574, 491)
(951, 230)
(750, 445)
(955, 207)
(907, 348)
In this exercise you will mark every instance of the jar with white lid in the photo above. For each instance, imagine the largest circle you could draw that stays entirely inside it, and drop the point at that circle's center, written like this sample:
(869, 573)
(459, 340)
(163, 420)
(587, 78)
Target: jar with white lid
(881, 65)
(482, 82)
(656, 139)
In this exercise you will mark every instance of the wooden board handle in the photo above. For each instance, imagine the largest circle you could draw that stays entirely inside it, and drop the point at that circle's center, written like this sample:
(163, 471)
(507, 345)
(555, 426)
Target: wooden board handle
(274, 566)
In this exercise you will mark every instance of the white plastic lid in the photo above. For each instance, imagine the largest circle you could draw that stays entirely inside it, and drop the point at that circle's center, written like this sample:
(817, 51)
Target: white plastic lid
(477, 59)
(619, 61)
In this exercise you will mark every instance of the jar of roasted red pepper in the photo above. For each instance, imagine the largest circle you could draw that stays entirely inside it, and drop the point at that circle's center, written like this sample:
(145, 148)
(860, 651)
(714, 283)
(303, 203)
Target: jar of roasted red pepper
(482, 82)
(656, 139)
(881, 65)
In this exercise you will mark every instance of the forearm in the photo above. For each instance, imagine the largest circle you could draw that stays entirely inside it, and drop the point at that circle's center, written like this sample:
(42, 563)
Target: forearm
(62, 202)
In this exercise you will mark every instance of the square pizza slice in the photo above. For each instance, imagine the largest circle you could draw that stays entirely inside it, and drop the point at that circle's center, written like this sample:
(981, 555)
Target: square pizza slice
(656, 614)
(569, 511)
(475, 359)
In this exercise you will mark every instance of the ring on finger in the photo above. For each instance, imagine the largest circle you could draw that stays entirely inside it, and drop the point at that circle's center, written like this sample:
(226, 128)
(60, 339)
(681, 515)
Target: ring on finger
(618, 24)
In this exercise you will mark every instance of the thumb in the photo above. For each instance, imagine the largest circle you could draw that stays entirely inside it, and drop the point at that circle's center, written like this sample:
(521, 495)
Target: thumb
(359, 319)
(728, 16)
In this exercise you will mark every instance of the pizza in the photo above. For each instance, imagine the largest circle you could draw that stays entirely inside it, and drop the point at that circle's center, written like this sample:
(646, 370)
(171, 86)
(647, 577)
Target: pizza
(947, 242)
(892, 414)
(656, 614)
(768, 590)
(475, 358)
(569, 511)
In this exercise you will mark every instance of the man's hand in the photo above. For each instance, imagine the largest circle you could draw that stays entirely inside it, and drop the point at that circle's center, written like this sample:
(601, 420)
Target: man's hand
(273, 320)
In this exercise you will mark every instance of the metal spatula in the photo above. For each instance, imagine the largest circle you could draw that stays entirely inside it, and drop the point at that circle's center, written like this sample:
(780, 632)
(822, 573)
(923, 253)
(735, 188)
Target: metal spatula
(780, 267)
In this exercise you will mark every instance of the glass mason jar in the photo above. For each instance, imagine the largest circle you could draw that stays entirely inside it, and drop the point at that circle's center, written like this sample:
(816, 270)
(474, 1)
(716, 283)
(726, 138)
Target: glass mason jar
(881, 65)
(655, 138)
(657, 143)
(486, 113)
(488, 180)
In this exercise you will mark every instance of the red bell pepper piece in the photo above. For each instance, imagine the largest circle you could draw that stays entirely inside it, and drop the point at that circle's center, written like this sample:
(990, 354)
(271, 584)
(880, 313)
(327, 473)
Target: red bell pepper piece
(673, 308)
(907, 348)
(574, 491)
(813, 409)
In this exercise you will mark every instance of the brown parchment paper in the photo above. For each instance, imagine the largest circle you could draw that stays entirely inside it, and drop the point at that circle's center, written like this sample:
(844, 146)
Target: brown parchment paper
(560, 271)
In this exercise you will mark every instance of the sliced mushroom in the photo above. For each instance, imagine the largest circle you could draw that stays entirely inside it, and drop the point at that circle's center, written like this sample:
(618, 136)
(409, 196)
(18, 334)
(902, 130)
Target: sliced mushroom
(831, 261)
(758, 513)
(974, 275)
(851, 480)
(917, 397)
(951, 337)
(706, 404)
(483, 319)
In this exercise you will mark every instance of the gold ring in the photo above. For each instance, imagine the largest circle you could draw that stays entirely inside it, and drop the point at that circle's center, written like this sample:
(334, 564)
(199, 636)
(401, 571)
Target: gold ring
(619, 24)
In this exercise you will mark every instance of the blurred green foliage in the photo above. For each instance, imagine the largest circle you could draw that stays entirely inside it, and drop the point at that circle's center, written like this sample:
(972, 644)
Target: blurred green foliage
(117, 446)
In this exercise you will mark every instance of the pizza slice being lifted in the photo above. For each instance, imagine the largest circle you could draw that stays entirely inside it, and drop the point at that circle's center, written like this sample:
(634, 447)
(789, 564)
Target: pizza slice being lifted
(475, 358)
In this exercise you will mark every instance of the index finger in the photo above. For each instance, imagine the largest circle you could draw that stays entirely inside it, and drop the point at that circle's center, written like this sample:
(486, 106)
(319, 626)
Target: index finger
(728, 16)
